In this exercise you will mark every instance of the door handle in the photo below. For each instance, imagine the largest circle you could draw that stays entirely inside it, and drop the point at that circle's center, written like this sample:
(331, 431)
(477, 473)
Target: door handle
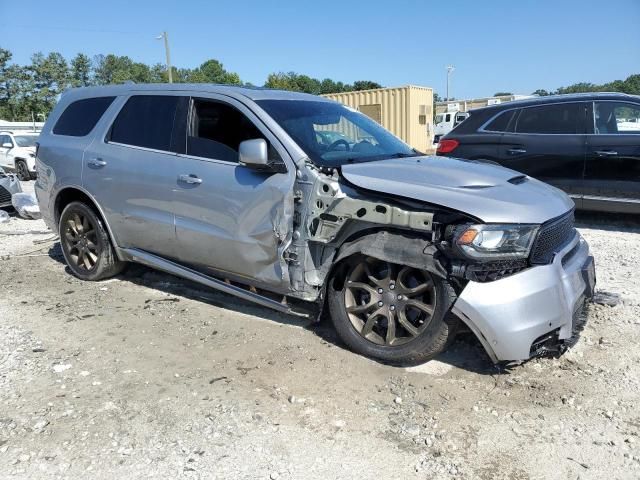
(96, 162)
(606, 153)
(191, 178)
(516, 151)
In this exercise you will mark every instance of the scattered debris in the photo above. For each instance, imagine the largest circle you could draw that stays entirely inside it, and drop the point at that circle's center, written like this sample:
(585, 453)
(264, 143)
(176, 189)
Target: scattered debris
(26, 205)
(583, 465)
(59, 368)
(606, 298)
(217, 379)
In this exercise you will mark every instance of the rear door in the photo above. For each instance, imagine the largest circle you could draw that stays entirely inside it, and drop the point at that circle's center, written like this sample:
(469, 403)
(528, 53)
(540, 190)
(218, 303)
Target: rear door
(230, 218)
(547, 142)
(612, 172)
(132, 170)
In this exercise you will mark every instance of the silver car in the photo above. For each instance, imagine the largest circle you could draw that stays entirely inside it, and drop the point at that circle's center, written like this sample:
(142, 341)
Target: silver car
(238, 189)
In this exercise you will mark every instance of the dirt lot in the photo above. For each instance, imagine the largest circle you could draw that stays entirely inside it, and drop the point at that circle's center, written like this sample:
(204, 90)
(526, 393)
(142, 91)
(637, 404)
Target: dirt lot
(149, 376)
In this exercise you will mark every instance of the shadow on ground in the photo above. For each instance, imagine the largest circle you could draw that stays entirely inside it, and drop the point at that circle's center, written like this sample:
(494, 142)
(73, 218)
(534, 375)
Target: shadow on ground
(465, 352)
(612, 222)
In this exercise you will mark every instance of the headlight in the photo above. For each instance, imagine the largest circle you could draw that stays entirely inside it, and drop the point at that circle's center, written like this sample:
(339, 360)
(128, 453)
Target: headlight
(496, 241)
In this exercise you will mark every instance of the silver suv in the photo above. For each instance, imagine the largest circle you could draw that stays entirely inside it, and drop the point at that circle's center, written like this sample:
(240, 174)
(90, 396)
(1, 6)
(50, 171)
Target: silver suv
(299, 203)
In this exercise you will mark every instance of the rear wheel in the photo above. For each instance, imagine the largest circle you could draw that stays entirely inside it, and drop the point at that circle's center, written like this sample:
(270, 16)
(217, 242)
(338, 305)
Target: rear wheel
(22, 170)
(86, 245)
(391, 312)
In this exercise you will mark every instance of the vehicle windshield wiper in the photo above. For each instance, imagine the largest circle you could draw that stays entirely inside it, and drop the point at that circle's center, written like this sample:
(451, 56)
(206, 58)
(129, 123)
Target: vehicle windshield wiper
(373, 158)
(405, 155)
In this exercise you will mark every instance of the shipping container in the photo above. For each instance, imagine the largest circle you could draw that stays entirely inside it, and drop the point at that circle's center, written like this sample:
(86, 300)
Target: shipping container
(407, 112)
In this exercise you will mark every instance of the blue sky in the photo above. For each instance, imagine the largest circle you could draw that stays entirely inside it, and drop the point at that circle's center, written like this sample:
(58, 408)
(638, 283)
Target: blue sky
(500, 45)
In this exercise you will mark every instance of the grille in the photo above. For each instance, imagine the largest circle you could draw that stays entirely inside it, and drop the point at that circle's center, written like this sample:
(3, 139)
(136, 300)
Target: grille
(552, 237)
(494, 271)
(5, 196)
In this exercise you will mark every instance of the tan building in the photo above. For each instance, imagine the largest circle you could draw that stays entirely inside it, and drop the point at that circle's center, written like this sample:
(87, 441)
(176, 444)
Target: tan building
(470, 104)
(407, 112)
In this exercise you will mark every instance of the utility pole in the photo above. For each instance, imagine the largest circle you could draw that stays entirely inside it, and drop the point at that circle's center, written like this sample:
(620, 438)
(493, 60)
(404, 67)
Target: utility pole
(165, 36)
(450, 68)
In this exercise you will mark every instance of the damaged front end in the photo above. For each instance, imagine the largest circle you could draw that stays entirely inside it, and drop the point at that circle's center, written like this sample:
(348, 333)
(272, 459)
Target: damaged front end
(9, 184)
(520, 303)
(334, 220)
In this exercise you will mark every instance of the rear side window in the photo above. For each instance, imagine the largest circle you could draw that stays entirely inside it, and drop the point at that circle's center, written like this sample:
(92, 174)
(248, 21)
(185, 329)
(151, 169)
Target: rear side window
(617, 118)
(146, 121)
(551, 119)
(81, 116)
(501, 122)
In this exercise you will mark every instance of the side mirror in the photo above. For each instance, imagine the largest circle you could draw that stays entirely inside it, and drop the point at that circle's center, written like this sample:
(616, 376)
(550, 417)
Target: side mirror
(254, 154)
(7, 145)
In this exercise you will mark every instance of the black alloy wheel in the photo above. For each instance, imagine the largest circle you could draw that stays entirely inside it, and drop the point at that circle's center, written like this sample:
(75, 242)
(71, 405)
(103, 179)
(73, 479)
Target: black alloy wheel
(395, 313)
(389, 304)
(81, 241)
(86, 245)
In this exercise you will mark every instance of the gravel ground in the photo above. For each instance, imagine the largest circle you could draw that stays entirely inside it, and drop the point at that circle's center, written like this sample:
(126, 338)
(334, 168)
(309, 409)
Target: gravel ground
(146, 375)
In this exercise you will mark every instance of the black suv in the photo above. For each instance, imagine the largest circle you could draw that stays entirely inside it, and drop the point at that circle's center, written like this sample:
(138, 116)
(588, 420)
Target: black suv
(586, 144)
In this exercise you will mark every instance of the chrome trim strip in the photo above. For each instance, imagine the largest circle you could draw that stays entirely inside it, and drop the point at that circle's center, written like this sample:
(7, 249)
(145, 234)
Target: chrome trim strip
(144, 149)
(611, 199)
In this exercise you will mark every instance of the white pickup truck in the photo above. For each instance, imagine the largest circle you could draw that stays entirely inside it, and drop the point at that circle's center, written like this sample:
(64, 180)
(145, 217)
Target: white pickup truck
(18, 152)
(445, 122)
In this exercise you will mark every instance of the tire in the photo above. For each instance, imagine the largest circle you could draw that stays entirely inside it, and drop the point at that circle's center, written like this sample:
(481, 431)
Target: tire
(85, 243)
(417, 303)
(23, 171)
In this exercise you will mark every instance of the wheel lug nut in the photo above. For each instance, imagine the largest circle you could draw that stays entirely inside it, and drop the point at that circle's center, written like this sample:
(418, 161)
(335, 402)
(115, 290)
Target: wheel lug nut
(380, 304)
(399, 297)
(380, 290)
(392, 286)
(392, 308)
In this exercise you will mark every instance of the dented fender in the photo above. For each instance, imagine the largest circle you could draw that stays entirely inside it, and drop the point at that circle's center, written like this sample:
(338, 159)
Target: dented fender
(398, 248)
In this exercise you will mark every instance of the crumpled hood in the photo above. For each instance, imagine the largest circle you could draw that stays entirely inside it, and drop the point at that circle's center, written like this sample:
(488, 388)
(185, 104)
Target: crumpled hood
(491, 193)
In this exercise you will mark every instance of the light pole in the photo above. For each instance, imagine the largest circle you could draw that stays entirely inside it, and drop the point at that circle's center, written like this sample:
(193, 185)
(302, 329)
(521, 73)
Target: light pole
(450, 68)
(166, 51)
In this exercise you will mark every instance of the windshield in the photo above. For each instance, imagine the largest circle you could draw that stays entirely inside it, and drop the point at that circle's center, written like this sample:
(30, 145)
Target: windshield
(26, 140)
(332, 134)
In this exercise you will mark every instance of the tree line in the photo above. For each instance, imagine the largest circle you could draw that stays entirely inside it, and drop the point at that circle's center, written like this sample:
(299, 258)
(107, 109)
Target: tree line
(29, 92)
(630, 85)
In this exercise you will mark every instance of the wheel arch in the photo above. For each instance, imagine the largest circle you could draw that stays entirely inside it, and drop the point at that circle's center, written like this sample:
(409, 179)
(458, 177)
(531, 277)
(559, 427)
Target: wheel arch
(391, 245)
(78, 194)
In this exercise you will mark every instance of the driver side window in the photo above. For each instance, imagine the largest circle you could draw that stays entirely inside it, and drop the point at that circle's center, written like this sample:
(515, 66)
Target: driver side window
(216, 130)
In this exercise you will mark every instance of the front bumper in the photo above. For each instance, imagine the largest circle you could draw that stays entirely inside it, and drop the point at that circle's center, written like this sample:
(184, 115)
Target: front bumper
(510, 315)
(9, 184)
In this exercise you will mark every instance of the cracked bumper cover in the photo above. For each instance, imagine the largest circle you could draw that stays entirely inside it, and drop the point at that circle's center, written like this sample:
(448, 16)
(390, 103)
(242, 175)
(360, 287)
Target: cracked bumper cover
(508, 315)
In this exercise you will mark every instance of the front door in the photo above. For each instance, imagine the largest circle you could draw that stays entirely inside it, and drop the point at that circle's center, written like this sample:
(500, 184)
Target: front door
(547, 142)
(230, 218)
(132, 171)
(612, 173)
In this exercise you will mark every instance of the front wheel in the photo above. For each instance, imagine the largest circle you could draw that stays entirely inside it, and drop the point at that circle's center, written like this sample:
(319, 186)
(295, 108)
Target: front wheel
(395, 313)
(86, 245)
